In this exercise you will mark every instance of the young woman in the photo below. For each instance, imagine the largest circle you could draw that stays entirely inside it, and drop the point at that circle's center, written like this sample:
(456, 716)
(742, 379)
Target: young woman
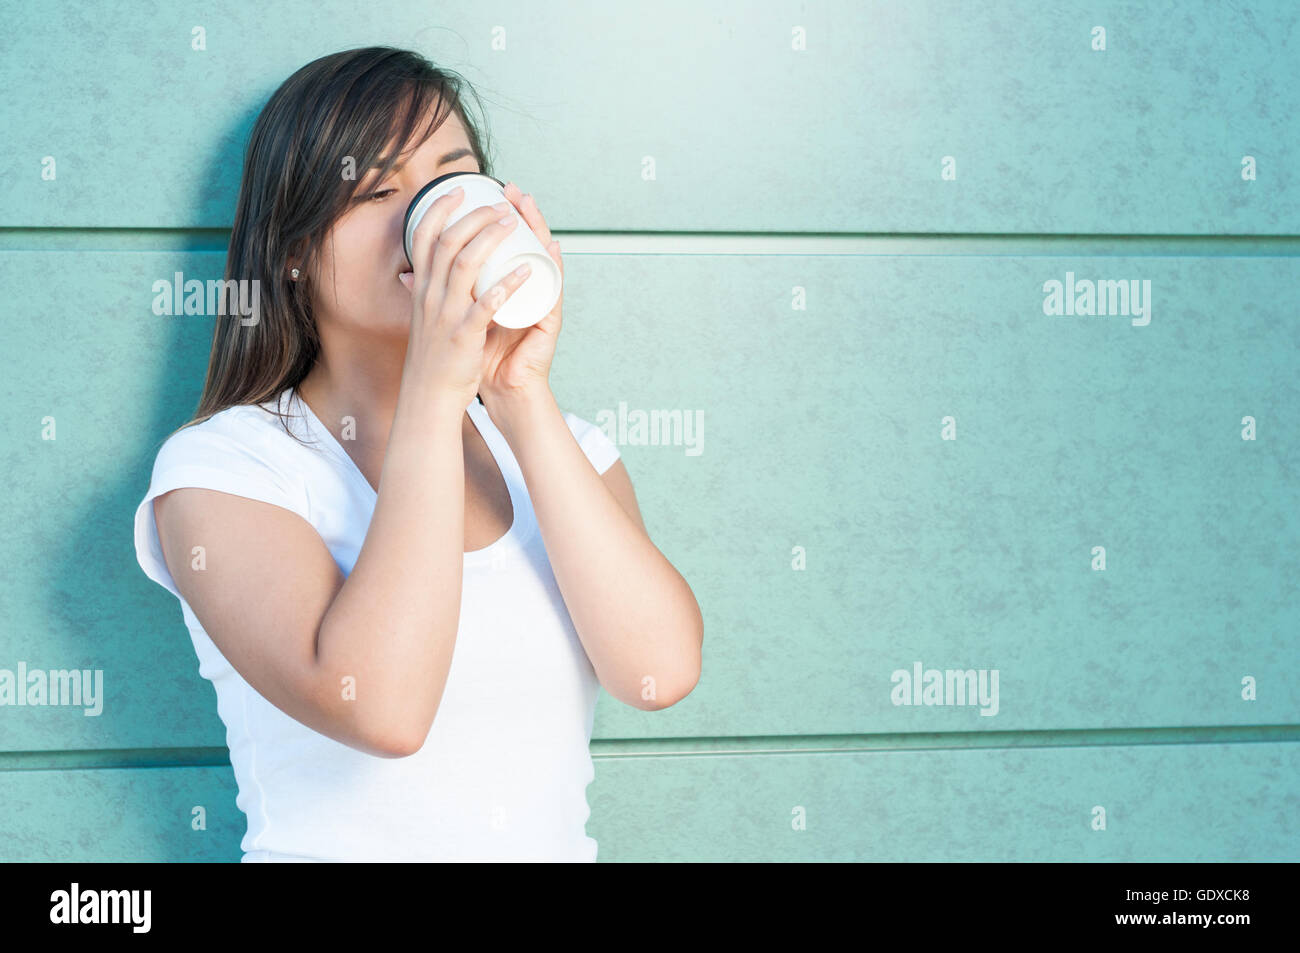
(404, 570)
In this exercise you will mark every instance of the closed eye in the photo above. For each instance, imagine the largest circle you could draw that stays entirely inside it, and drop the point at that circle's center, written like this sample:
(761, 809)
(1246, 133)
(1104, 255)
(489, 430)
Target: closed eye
(376, 195)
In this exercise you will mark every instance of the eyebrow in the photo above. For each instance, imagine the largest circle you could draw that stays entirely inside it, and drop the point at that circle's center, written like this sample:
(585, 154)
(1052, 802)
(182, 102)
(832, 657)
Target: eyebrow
(449, 157)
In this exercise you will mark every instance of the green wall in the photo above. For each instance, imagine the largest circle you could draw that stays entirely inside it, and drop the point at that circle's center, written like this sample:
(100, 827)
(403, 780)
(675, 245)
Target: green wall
(904, 458)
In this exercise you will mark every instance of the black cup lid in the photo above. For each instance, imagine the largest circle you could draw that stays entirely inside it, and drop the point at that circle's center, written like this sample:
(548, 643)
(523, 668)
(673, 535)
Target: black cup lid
(406, 219)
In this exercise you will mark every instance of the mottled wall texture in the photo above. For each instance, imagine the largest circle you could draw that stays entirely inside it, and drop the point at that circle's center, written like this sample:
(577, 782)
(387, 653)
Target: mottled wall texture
(949, 346)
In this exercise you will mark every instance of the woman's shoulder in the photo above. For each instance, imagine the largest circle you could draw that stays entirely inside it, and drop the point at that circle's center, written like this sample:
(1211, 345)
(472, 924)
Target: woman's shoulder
(236, 451)
(241, 435)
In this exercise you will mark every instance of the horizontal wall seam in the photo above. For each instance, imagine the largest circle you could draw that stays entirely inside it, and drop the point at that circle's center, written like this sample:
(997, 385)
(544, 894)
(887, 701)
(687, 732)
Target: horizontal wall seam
(616, 748)
(724, 243)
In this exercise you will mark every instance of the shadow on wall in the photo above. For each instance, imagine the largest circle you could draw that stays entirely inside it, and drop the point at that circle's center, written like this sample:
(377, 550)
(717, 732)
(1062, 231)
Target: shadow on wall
(99, 609)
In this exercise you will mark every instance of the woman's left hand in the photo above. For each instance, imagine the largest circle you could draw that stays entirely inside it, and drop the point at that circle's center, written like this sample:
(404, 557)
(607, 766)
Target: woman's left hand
(517, 361)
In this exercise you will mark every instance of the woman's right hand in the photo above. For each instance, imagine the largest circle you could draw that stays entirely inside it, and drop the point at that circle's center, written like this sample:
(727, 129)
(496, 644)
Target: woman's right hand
(448, 325)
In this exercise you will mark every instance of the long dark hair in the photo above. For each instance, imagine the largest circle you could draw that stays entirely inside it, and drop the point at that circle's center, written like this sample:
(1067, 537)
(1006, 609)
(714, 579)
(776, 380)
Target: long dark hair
(348, 104)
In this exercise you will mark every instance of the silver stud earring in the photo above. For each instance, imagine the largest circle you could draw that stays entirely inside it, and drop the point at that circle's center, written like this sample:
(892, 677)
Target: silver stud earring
(295, 274)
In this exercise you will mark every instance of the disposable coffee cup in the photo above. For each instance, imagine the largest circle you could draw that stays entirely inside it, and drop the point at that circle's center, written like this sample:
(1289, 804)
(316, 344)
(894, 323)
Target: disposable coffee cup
(531, 301)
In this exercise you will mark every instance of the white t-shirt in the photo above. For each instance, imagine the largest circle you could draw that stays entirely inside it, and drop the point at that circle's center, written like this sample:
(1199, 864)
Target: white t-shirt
(503, 772)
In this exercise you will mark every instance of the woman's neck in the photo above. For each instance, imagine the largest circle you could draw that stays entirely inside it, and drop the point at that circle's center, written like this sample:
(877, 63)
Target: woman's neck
(365, 392)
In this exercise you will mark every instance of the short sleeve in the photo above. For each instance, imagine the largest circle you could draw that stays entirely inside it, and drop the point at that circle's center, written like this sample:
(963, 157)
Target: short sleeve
(600, 450)
(212, 460)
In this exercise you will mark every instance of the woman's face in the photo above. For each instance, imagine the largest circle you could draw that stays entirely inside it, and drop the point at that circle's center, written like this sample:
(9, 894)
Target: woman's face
(355, 285)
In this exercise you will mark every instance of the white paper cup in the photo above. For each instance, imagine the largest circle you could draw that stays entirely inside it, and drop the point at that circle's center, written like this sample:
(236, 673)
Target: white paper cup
(531, 301)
